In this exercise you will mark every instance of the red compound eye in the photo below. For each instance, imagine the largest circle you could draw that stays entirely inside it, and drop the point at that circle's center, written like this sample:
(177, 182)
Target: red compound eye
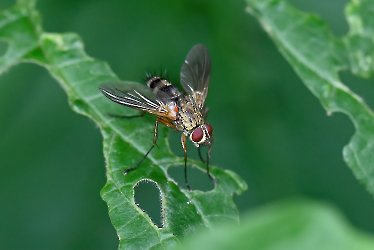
(197, 135)
(209, 128)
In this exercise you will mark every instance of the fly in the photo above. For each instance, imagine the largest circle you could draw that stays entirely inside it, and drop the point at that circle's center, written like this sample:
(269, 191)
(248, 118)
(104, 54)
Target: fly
(180, 111)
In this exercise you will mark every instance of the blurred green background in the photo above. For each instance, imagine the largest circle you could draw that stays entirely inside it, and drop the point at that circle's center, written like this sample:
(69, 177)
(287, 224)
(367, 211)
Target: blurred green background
(268, 127)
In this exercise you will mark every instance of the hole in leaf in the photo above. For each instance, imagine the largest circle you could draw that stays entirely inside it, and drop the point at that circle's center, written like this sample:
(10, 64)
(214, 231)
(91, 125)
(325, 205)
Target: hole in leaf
(197, 179)
(3, 47)
(147, 197)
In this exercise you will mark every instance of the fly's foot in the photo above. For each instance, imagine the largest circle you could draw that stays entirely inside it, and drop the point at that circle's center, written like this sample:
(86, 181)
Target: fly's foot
(127, 170)
(215, 181)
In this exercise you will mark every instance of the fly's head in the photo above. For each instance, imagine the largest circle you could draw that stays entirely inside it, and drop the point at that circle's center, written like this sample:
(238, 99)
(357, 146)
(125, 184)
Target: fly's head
(202, 135)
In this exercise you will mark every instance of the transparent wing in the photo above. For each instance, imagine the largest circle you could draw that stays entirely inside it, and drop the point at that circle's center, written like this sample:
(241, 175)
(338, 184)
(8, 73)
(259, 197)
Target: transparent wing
(134, 95)
(195, 73)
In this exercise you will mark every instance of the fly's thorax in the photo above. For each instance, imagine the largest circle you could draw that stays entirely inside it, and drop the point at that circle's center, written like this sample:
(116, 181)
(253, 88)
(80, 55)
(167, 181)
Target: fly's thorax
(190, 115)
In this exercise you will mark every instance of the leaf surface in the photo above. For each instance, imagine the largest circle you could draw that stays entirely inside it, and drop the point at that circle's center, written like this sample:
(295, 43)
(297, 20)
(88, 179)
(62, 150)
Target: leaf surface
(297, 224)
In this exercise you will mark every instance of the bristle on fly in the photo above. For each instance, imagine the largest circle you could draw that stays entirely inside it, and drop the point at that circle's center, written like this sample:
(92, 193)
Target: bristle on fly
(159, 73)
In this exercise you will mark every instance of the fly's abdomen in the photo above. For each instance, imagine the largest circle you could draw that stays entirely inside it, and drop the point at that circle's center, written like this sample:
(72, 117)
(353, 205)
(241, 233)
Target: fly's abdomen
(163, 88)
(168, 95)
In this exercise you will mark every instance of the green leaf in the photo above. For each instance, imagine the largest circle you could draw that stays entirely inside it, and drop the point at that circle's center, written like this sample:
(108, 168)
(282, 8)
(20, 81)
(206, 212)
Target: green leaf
(125, 140)
(289, 225)
(317, 57)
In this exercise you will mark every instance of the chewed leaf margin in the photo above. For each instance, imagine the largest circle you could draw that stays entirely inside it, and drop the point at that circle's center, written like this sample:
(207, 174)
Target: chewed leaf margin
(317, 57)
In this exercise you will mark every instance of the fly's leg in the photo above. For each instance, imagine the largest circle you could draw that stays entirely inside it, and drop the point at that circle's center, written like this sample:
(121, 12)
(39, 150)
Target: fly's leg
(201, 158)
(207, 164)
(183, 140)
(145, 156)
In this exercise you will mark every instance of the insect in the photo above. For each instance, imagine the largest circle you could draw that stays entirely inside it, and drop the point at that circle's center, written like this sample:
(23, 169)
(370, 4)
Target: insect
(180, 111)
